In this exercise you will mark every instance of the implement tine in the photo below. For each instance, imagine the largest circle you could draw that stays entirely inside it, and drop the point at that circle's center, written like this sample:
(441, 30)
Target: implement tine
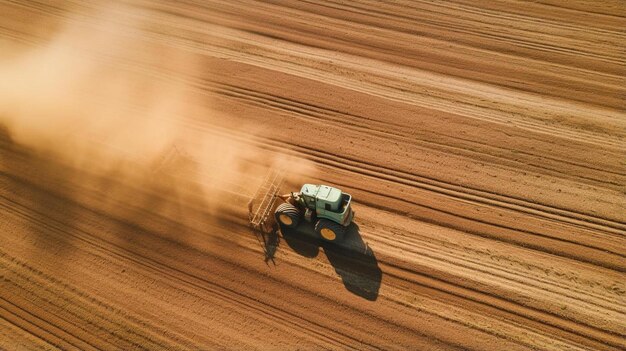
(266, 198)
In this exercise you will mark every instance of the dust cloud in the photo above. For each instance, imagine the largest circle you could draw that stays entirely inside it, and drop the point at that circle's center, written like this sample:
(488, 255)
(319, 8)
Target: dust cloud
(104, 95)
(78, 90)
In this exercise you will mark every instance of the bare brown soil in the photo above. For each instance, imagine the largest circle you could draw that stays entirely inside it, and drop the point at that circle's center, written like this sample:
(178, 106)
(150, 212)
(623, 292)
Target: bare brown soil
(483, 142)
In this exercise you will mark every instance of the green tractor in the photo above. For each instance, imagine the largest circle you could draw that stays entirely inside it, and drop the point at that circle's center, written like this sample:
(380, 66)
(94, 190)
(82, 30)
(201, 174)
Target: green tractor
(326, 207)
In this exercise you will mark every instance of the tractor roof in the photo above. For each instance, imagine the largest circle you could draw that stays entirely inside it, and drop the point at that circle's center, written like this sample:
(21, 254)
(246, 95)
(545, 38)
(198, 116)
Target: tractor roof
(322, 192)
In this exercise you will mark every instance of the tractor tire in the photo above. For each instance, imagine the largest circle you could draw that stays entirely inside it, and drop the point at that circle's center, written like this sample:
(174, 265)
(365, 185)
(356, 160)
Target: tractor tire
(329, 230)
(287, 215)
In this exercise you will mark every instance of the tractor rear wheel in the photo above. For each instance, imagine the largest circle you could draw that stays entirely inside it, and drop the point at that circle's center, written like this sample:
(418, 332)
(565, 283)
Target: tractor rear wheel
(329, 230)
(287, 215)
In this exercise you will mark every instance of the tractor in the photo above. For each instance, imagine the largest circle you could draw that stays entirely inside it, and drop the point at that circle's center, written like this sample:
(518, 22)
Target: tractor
(327, 208)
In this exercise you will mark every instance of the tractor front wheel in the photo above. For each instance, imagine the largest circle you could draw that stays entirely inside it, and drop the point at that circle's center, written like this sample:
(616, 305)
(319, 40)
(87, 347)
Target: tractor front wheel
(329, 230)
(287, 215)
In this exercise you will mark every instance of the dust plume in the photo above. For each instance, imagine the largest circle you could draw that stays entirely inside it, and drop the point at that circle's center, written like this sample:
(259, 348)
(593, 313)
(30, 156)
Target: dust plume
(77, 90)
(104, 95)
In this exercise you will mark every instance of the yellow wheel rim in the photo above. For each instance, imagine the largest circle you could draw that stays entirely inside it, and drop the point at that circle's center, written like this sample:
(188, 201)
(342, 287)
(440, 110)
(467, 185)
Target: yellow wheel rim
(328, 234)
(286, 220)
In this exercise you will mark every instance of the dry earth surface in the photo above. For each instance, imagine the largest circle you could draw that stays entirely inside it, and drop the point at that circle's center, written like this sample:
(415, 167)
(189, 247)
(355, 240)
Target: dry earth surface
(483, 142)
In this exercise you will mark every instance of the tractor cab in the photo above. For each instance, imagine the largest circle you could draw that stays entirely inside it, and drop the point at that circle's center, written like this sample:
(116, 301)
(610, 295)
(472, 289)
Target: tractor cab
(321, 197)
(326, 202)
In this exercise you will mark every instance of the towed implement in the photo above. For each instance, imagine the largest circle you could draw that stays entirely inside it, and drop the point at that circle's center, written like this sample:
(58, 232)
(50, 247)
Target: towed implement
(326, 208)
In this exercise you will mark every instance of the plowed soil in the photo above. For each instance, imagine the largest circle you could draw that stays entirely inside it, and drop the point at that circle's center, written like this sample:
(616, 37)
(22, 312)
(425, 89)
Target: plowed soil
(483, 143)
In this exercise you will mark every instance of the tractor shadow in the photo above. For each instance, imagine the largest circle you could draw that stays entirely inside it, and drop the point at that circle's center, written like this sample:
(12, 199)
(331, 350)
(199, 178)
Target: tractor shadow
(353, 260)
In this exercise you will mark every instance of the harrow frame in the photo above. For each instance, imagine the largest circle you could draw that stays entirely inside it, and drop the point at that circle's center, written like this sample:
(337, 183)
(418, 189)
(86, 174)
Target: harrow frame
(260, 216)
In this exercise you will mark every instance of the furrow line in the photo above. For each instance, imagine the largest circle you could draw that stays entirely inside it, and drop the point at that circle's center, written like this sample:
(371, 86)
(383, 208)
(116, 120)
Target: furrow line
(392, 10)
(418, 244)
(54, 330)
(508, 34)
(546, 323)
(498, 274)
(9, 336)
(414, 241)
(79, 312)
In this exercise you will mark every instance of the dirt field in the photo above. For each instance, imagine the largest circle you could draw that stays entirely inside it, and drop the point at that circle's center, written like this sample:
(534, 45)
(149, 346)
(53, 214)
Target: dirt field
(484, 143)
